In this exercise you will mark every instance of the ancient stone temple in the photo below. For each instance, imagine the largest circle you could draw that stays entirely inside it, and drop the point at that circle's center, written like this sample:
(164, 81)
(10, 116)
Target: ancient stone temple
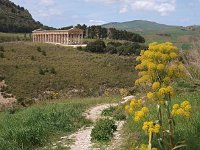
(72, 36)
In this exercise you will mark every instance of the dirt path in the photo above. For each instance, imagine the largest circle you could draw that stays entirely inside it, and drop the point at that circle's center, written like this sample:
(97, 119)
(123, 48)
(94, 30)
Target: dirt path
(82, 138)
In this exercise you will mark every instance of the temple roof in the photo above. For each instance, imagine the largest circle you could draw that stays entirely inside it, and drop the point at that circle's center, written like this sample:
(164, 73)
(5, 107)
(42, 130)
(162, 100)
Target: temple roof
(69, 30)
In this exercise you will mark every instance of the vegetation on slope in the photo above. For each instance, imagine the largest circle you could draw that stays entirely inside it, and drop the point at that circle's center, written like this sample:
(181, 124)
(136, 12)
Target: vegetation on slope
(34, 127)
(14, 18)
(31, 69)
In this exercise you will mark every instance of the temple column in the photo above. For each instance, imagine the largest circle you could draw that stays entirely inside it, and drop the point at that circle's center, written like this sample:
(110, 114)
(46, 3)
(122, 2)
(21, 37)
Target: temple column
(33, 38)
(58, 38)
(81, 38)
(62, 38)
(67, 39)
(78, 38)
(39, 37)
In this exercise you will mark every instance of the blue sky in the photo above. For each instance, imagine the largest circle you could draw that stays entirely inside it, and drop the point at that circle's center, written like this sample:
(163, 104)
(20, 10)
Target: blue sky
(59, 13)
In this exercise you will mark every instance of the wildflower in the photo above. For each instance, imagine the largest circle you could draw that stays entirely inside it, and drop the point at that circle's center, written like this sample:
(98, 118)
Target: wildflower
(173, 55)
(160, 67)
(151, 127)
(139, 115)
(184, 109)
(162, 91)
(170, 90)
(150, 95)
(155, 85)
(145, 109)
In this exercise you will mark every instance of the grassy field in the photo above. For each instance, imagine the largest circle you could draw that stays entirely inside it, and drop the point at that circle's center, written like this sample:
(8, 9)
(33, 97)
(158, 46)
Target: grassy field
(8, 37)
(31, 69)
(185, 130)
(45, 122)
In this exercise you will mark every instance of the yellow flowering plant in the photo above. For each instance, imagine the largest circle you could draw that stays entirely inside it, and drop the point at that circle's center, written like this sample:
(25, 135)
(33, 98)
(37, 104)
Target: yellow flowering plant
(158, 67)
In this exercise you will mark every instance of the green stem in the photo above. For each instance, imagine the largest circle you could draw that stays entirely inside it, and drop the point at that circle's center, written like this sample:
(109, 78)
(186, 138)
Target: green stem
(170, 121)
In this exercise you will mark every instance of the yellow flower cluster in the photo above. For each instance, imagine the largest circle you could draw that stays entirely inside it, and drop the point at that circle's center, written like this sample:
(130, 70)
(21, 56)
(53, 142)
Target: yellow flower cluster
(146, 147)
(134, 104)
(184, 109)
(151, 127)
(159, 63)
(134, 109)
(141, 114)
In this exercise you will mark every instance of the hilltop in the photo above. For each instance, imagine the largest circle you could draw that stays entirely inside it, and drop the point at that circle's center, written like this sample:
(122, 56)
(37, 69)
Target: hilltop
(138, 25)
(14, 18)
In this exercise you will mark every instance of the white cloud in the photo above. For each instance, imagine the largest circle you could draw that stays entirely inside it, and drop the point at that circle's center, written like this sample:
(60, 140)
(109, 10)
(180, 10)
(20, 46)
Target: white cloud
(43, 13)
(123, 10)
(96, 22)
(163, 7)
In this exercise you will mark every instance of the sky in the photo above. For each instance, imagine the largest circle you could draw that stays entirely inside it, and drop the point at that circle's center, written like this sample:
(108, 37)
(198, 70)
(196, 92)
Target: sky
(60, 13)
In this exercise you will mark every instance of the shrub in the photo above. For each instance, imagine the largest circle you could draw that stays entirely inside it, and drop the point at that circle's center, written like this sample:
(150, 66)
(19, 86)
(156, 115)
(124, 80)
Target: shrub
(103, 130)
(79, 48)
(44, 53)
(115, 44)
(116, 112)
(41, 72)
(2, 77)
(2, 55)
(39, 49)
(52, 70)
(2, 48)
(32, 58)
(97, 46)
(111, 49)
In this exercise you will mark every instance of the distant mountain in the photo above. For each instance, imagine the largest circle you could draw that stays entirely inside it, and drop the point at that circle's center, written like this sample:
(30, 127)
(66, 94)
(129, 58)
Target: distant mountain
(138, 25)
(14, 18)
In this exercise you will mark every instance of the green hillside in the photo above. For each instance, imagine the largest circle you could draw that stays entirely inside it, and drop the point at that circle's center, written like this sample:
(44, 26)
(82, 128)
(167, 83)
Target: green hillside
(30, 69)
(14, 18)
(137, 25)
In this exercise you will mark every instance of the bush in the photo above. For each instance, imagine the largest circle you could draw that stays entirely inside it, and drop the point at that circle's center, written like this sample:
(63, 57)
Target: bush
(2, 48)
(111, 49)
(116, 112)
(41, 72)
(2, 55)
(2, 77)
(44, 53)
(103, 130)
(97, 46)
(129, 49)
(32, 58)
(52, 70)
(39, 49)
(79, 48)
(115, 44)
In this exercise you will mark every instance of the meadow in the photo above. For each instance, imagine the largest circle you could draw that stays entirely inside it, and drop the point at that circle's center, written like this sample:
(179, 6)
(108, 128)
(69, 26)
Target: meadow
(45, 122)
(30, 69)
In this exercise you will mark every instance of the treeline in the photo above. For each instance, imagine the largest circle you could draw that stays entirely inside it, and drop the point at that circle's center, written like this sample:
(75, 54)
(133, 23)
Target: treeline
(14, 18)
(127, 48)
(99, 32)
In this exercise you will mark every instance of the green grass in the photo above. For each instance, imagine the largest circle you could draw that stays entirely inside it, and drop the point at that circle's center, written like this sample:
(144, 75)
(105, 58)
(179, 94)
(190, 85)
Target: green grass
(185, 130)
(9, 37)
(77, 73)
(34, 127)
